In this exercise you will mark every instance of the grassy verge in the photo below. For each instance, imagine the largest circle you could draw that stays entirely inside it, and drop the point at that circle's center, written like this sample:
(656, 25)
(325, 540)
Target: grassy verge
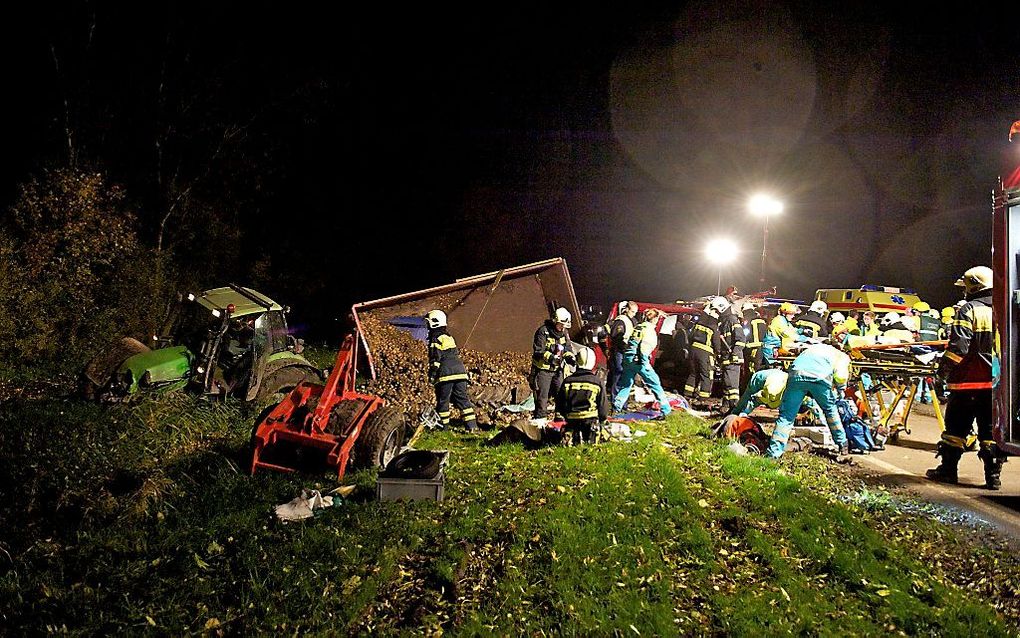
(142, 518)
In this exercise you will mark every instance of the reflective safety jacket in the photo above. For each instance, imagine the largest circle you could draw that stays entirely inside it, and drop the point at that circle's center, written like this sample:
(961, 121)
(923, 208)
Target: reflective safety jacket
(545, 355)
(756, 336)
(967, 363)
(781, 335)
(811, 325)
(583, 396)
(620, 331)
(705, 335)
(444, 358)
(929, 328)
(642, 343)
(734, 340)
(821, 362)
(897, 332)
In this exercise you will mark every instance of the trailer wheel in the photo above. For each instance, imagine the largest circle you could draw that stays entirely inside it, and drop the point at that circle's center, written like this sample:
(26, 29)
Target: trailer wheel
(281, 382)
(381, 438)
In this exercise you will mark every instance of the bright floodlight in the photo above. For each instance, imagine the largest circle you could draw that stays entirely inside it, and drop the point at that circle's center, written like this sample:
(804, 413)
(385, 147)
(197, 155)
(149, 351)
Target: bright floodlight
(765, 205)
(720, 251)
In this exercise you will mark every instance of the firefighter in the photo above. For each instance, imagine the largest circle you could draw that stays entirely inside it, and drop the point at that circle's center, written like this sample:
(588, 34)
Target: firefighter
(636, 360)
(550, 345)
(756, 328)
(894, 330)
(619, 334)
(781, 334)
(706, 344)
(966, 367)
(731, 332)
(948, 314)
(582, 400)
(447, 372)
(820, 372)
(812, 323)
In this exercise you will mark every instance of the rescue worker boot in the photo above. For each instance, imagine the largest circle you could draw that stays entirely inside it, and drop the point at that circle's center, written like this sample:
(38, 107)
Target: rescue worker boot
(993, 461)
(946, 472)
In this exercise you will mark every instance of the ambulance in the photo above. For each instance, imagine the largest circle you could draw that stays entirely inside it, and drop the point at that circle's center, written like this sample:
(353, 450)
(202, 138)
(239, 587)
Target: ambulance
(877, 299)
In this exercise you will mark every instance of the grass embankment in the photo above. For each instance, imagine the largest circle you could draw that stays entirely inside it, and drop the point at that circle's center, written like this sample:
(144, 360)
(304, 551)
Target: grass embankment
(143, 518)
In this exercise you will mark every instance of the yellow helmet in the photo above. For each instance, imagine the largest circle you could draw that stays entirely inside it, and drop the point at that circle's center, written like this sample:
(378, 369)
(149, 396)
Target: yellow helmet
(786, 306)
(948, 313)
(772, 392)
(920, 306)
(976, 279)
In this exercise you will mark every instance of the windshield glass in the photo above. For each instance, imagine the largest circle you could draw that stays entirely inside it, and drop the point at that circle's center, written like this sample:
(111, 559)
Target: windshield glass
(191, 325)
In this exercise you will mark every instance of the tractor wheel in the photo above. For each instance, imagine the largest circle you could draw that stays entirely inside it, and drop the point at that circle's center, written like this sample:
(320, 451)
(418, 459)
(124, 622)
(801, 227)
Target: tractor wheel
(381, 438)
(279, 384)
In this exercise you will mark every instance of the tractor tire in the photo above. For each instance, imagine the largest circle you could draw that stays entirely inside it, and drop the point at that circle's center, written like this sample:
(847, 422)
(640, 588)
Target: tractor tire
(279, 384)
(381, 438)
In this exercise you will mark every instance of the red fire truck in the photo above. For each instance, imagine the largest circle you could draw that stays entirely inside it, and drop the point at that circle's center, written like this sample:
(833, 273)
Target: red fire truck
(1006, 297)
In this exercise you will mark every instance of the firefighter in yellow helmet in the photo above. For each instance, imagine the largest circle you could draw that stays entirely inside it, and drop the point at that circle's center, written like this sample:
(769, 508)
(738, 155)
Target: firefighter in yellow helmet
(781, 334)
(966, 367)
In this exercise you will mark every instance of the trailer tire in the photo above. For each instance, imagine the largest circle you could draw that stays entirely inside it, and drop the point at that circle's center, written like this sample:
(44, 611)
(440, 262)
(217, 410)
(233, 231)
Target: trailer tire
(280, 383)
(381, 438)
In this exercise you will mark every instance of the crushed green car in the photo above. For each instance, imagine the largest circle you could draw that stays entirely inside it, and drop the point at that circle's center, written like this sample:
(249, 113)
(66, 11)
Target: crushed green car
(230, 341)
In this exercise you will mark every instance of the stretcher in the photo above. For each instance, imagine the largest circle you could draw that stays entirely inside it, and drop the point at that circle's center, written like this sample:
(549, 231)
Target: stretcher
(898, 372)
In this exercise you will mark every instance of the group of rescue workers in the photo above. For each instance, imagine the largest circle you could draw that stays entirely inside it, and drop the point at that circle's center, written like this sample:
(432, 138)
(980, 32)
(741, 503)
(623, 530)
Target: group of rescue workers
(796, 359)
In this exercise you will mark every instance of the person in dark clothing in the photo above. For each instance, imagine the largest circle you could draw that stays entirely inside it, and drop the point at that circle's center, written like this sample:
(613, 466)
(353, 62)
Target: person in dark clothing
(447, 372)
(582, 400)
(731, 331)
(619, 333)
(706, 344)
(812, 324)
(550, 345)
(756, 328)
(966, 367)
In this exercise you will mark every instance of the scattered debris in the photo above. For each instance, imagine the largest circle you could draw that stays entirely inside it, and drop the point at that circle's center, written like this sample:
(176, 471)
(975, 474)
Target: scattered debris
(307, 505)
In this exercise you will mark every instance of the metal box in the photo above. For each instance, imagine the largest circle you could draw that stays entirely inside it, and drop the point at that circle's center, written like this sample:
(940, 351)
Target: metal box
(394, 489)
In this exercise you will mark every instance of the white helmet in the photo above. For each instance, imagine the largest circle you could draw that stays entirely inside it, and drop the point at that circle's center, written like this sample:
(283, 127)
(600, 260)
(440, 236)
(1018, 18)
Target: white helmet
(890, 318)
(976, 279)
(621, 308)
(837, 317)
(436, 319)
(818, 307)
(719, 304)
(586, 358)
(562, 315)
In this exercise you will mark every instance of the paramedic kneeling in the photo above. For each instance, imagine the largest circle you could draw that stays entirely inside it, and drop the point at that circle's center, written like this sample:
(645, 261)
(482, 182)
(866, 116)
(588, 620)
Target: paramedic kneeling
(820, 372)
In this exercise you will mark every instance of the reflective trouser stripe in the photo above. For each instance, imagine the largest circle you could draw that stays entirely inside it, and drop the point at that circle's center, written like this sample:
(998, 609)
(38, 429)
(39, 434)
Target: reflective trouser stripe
(703, 346)
(954, 441)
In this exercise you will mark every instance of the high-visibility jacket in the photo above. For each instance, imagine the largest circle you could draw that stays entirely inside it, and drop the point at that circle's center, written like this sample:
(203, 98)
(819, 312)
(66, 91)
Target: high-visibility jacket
(620, 331)
(967, 363)
(642, 343)
(444, 357)
(549, 346)
(734, 340)
(705, 335)
(583, 396)
(756, 336)
(822, 361)
(929, 328)
(897, 332)
(852, 326)
(811, 324)
(782, 334)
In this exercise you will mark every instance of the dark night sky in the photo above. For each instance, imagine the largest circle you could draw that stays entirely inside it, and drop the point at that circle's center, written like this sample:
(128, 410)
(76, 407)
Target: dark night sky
(619, 138)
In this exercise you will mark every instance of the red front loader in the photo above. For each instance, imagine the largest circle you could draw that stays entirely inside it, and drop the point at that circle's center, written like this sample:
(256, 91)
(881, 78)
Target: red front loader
(328, 424)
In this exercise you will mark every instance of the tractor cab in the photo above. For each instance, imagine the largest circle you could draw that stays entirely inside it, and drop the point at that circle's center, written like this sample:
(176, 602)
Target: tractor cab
(229, 341)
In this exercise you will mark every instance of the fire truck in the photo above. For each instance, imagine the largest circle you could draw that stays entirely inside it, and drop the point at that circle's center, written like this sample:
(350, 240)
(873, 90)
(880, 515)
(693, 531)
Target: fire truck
(1006, 298)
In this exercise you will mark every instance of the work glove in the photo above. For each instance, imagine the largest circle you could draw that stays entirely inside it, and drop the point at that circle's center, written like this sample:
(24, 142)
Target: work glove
(557, 349)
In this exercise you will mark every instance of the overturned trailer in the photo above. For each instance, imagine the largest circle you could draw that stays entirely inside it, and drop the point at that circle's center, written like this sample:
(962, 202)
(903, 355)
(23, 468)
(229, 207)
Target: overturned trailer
(497, 311)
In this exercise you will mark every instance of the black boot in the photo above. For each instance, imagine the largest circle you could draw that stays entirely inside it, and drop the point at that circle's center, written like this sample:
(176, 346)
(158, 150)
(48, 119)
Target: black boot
(993, 460)
(946, 472)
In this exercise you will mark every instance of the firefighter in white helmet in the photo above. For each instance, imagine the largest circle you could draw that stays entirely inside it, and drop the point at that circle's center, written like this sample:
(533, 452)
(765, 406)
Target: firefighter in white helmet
(706, 345)
(966, 367)
(582, 400)
(447, 372)
(812, 323)
(550, 345)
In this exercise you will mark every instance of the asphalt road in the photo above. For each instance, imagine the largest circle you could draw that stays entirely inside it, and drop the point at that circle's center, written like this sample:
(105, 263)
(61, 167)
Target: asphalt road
(903, 464)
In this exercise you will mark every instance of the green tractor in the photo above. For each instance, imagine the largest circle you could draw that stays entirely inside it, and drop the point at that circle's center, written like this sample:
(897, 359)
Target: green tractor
(230, 341)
